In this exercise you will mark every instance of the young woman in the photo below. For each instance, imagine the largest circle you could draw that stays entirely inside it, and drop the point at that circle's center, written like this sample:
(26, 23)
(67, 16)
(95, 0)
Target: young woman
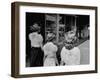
(36, 44)
(70, 55)
(50, 50)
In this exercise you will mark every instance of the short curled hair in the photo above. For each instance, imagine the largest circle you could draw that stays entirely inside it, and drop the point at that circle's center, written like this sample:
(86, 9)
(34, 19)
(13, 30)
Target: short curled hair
(35, 28)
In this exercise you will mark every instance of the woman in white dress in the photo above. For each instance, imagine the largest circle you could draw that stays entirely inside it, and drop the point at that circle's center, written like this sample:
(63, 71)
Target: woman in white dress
(50, 50)
(70, 55)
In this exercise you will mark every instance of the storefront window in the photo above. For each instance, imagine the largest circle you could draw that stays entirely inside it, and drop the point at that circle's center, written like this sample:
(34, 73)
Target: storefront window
(56, 23)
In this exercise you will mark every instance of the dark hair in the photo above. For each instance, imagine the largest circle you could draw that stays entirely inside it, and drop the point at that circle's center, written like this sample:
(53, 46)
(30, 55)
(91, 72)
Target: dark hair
(34, 29)
(50, 39)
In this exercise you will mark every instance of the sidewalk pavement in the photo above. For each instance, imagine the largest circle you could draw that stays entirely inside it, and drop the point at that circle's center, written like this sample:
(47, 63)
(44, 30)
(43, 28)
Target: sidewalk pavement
(85, 53)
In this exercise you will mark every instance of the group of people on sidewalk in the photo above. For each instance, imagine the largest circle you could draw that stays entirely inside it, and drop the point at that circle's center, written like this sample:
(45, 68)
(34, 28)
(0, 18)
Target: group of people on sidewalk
(45, 54)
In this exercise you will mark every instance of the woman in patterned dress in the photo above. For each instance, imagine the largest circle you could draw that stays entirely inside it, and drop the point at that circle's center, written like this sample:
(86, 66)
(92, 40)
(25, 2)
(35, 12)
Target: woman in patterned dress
(50, 50)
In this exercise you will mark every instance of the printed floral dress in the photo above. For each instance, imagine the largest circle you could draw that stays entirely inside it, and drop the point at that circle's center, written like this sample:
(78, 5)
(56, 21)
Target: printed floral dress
(50, 50)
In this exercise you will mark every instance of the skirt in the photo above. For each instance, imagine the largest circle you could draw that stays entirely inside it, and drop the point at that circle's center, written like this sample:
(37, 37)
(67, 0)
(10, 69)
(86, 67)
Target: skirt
(49, 62)
(36, 58)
